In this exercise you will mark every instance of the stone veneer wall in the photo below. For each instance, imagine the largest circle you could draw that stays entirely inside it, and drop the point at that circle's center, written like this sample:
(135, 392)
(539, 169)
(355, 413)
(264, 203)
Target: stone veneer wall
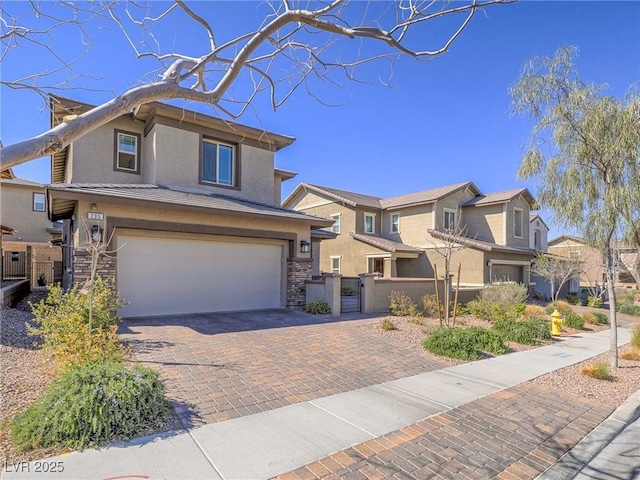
(298, 272)
(82, 267)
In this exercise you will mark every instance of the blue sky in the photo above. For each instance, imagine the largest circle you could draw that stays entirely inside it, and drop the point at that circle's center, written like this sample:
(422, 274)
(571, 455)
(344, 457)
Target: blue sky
(442, 121)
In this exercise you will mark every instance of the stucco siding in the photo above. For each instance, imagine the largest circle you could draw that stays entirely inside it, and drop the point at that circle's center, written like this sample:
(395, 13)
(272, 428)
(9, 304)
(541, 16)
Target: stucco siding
(473, 265)
(485, 223)
(414, 223)
(512, 239)
(16, 204)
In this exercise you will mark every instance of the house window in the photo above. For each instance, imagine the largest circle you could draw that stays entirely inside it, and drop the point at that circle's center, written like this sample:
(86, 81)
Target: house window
(127, 152)
(395, 223)
(218, 163)
(517, 222)
(449, 219)
(369, 223)
(335, 228)
(335, 264)
(38, 202)
(574, 254)
(536, 240)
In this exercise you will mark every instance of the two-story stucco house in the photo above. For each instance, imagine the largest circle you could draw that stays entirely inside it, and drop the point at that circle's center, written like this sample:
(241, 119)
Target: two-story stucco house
(190, 206)
(23, 215)
(402, 236)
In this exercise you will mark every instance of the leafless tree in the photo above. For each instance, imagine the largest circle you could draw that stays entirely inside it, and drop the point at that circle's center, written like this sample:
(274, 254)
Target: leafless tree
(558, 270)
(297, 44)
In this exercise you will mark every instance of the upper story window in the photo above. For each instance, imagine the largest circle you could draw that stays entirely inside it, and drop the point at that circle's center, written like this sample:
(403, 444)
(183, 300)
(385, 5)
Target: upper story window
(218, 163)
(335, 228)
(395, 223)
(38, 202)
(517, 222)
(127, 152)
(537, 242)
(369, 223)
(335, 264)
(574, 254)
(449, 221)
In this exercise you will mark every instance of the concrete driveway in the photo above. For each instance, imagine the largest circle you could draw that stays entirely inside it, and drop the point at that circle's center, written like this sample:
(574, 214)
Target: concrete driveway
(227, 365)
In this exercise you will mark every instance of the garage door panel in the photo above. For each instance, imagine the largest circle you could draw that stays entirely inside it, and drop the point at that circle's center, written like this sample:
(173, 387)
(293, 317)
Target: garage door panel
(166, 276)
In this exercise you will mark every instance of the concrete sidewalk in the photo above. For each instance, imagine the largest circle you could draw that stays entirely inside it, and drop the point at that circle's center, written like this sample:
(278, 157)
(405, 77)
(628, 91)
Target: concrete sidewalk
(270, 443)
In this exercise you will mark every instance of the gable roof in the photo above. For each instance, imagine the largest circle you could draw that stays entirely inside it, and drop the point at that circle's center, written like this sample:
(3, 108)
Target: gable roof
(63, 198)
(427, 196)
(385, 243)
(533, 216)
(23, 182)
(479, 244)
(7, 230)
(562, 238)
(500, 197)
(8, 173)
(350, 198)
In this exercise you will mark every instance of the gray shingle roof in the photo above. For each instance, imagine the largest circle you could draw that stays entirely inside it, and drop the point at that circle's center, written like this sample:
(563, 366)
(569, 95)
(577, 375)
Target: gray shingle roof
(21, 181)
(479, 244)
(350, 198)
(385, 244)
(499, 197)
(180, 197)
(425, 196)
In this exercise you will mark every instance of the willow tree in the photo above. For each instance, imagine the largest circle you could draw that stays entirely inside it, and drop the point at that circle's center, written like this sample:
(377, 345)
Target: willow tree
(584, 153)
(296, 45)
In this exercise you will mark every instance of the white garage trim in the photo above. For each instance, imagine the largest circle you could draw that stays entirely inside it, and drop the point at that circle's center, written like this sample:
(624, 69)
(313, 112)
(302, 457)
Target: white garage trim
(167, 275)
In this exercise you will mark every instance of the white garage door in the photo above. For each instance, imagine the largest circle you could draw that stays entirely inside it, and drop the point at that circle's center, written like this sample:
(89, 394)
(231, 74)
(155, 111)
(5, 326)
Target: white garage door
(161, 276)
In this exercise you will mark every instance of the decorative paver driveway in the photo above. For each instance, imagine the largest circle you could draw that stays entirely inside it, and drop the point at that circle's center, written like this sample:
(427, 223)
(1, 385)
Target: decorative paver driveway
(226, 365)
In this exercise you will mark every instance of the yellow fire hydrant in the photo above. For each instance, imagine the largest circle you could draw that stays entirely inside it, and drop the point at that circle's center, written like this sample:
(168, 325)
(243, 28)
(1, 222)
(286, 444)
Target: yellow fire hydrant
(556, 322)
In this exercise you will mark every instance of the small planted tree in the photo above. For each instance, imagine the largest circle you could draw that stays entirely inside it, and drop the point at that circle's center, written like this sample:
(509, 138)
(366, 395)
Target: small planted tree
(558, 270)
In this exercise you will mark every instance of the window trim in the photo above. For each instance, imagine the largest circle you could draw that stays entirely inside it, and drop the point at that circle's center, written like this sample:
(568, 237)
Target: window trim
(33, 202)
(116, 151)
(235, 164)
(373, 222)
(339, 259)
(453, 211)
(516, 209)
(338, 221)
(391, 215)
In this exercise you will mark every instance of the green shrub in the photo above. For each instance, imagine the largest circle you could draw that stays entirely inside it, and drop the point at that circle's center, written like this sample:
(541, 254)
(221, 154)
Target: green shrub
(599, 371)
(498, 302)
(90, 405)
(595, 302)
(525, 332)
(429, 306)
(602, 318)
(574, 298)
(62, 321)
(387, 324)
(401, 305)
(590, 318)
(573, 320)
(625, 295)
(563, 307)
(464, 343)
(535, 311)
(635, 337)
(628, 309)
(318, 307)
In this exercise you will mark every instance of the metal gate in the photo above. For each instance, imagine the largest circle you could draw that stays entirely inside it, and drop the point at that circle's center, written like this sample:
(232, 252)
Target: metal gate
(350, 294)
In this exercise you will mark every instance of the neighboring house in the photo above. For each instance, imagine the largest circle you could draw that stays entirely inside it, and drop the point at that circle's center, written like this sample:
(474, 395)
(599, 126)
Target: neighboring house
(190, 206)
(26, 248)
(401, 236)
(593, 265)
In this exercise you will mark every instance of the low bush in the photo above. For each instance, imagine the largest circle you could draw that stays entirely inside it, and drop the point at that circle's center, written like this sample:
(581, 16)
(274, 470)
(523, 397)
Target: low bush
(318, 307)
(573, 320)
(590, 318)
(92, 404)
(534, 311)
(563, 307)
(628, 309)
(69, 335)
(429, 306)
(387, 324)
(505, 293)
(599, 371)
(632, 354)
(525, 332)
(464, 343)
(574, 298)
(401, 305)
(595, 302)
(635, 337)
(625, 295)
(602, 318)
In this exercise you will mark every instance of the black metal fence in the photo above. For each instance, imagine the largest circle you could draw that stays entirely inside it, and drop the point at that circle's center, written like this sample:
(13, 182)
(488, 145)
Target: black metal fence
(14, 265)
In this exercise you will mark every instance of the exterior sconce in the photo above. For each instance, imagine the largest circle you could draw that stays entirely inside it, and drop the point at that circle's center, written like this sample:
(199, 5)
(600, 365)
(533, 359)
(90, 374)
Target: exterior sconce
(305, 247)
(96, 234)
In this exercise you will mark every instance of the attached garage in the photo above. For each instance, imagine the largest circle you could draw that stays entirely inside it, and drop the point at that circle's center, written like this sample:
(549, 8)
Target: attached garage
(161, 276)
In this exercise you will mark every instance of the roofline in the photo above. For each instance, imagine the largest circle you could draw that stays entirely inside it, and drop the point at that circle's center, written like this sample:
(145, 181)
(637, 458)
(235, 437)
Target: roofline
(568, 237)
(285, 174)
(319, 189)
(7, 230)
(426, 202)
(76, 194)
(541, 219)
(519, 192)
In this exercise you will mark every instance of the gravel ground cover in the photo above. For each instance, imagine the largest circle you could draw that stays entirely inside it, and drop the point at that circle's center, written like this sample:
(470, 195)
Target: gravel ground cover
(23, 377)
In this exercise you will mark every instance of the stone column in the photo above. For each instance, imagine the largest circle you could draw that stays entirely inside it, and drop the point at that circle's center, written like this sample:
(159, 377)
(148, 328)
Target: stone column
(298, 272)
(332, 290)
(390, 270)
(367, 292)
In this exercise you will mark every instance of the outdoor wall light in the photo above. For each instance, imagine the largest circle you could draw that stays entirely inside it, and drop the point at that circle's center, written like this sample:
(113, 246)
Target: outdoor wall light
(305, 247)
(96, 234)
(94, 206)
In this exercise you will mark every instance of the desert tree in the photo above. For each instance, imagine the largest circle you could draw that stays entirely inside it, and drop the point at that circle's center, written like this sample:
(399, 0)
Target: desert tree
(558, 270)
(584, 151)
(296, 46)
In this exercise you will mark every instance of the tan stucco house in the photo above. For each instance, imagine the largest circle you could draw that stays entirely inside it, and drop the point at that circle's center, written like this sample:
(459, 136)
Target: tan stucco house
(190, 205)
(27, 232)
(401, 236)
